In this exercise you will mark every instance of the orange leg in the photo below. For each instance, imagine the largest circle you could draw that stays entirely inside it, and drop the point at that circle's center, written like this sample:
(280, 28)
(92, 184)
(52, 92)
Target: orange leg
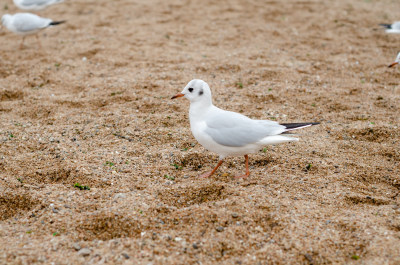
(247, 168)
(22, 42)
(209, 174)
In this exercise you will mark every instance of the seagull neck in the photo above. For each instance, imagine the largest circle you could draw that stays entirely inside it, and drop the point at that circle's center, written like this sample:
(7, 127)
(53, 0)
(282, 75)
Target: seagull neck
(199, 108)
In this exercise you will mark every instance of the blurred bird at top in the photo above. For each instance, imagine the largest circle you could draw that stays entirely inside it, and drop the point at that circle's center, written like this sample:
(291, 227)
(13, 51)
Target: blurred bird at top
(392, 28)
(27, 24)
(35, 4)
(397, 61)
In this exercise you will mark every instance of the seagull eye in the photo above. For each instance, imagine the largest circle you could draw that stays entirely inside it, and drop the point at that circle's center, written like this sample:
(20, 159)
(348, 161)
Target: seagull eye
(190, 89)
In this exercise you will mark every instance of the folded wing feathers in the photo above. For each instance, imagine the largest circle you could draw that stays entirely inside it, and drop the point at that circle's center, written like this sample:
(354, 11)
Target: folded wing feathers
(295, 126)
(53, 23)
(387, 26)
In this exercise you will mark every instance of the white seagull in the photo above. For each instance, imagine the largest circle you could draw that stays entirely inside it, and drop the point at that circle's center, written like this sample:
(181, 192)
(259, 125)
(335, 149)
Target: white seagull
(397, 61)
(392, 28)
(229, 133)
(35, 4)
(27, 24)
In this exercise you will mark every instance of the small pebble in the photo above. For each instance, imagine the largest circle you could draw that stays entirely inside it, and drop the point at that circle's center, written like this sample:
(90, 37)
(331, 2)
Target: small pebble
(195, 246)
(84, 252)
(125, 255)
(235, 215)
(220, 229)
(76, 246)
(120, 196)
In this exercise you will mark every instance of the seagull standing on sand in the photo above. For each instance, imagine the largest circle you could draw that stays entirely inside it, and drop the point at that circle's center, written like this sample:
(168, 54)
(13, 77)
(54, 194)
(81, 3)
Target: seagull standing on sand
(392, 28)
(229, 133)
(35, 4)
(27, 24)
(397, 61)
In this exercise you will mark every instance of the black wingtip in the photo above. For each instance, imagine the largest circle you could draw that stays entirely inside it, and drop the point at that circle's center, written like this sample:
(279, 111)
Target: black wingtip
(388, 26)
(53, 23)
(292, 126)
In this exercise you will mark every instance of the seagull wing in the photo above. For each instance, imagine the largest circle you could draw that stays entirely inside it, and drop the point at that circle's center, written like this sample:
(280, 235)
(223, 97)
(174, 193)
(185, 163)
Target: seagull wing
(25, 22)
(233, 129)
(33, 2)
(396, 25)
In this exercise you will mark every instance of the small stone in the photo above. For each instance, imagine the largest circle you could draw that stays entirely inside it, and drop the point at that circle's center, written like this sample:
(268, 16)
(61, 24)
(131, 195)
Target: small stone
(120, 196)
(235, 215)
(309, 258)
(54, 210)
(195, 246)
(125, 255)
(76, 246)
(84, 252)
(220, 229)
(186, 177)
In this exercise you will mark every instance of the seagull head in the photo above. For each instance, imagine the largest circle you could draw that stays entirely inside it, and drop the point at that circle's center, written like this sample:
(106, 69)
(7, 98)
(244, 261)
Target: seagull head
(196, 91)
(4, 19)
(397, 61)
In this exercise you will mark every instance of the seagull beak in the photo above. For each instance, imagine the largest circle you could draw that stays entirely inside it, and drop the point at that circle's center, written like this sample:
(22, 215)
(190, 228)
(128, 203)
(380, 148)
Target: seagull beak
(178, 95)
(393, 64)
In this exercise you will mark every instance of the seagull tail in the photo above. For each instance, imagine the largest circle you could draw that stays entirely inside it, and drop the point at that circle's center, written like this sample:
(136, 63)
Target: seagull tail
(295, 126)
(277, 139)
(387, 26)
(53, 23)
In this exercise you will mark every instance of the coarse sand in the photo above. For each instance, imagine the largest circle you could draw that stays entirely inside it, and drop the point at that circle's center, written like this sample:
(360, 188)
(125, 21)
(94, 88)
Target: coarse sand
(91, 109)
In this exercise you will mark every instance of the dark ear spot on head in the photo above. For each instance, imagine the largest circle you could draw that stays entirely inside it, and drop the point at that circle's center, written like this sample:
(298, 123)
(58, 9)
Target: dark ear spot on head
(190, 89)
(201, 92)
